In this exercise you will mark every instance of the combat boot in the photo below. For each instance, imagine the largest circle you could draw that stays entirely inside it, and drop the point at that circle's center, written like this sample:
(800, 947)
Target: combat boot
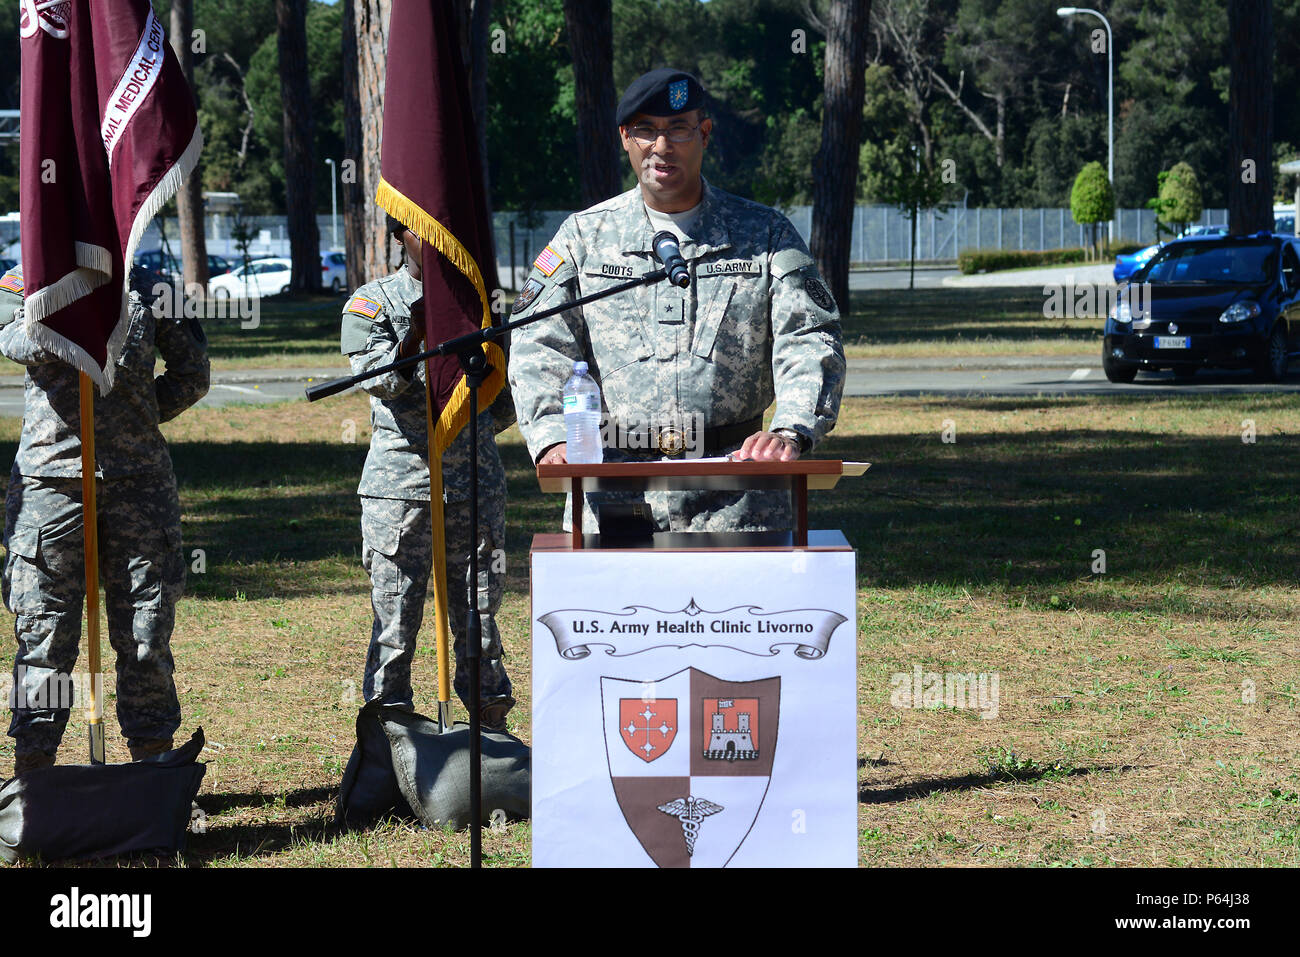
(492, 713)
(25, 761)
(142, 748)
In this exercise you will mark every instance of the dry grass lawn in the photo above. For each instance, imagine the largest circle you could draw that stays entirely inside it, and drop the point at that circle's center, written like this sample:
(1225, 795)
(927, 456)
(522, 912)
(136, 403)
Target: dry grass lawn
(1146, 715)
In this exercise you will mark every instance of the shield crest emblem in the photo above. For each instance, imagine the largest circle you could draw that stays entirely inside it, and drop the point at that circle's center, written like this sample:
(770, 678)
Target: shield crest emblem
(692, 797)
(648, 727)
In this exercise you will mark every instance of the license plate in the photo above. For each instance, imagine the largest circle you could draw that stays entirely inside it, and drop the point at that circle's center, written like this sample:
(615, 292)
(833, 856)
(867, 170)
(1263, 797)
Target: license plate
(1172, 342)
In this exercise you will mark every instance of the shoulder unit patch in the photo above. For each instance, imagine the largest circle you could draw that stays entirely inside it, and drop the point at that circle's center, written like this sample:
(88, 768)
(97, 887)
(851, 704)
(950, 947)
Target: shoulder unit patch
(819, 294)
(526, 295)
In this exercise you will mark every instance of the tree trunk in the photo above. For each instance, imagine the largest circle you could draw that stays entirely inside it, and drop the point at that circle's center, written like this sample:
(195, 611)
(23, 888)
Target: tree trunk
(189, 198)
(365, 53)
(911, 275)
(1250, 116)
(590, 30)
(835, 167)
(299, 171)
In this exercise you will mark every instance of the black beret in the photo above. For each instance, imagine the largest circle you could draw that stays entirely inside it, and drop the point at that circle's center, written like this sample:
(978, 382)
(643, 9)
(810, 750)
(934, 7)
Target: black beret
(396, 227)
(662, 92)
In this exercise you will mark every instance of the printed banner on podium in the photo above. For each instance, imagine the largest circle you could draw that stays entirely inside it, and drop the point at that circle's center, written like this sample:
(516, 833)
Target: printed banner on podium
(694, 709)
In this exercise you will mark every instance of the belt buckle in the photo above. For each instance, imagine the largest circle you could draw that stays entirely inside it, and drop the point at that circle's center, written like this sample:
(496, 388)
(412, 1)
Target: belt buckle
(672, 440)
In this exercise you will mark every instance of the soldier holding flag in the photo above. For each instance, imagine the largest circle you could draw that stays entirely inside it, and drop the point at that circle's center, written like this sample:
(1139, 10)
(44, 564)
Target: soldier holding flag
(109, 131)
(141, 559)
(416, 522)
(384, 321)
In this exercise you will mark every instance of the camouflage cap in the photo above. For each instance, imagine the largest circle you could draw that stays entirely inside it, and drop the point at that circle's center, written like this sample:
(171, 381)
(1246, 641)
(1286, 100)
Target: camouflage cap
(663, 92)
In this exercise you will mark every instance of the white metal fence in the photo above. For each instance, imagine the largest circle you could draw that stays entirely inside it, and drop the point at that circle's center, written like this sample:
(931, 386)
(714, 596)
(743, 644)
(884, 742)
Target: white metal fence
(880, 233)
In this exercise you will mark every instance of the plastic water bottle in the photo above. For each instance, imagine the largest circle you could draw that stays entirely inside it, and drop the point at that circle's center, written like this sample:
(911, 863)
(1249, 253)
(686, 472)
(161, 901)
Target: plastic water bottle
(582, 417)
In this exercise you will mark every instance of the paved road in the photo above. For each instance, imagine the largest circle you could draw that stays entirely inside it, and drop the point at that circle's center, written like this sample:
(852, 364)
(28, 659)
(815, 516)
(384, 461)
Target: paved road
(256, 386)
(971, 376)
(1066, 375)
(927, 277)
(1076, 274)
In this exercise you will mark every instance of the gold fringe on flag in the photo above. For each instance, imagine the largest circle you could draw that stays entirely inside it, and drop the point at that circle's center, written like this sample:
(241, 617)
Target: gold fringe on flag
(455, 414)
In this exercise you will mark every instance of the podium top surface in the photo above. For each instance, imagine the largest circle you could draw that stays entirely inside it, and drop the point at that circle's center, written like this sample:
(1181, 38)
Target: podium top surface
(828, 540)
(717, 474)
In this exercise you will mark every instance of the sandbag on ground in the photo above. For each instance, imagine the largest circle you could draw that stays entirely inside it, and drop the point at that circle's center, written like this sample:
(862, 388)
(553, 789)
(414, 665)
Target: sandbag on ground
(82, 811)
(401, 765)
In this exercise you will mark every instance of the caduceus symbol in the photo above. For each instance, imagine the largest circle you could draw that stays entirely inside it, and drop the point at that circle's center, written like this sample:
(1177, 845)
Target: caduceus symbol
(49, 15)
(691, 811)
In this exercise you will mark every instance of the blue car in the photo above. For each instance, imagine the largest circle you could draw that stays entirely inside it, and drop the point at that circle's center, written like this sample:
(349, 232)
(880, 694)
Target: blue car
(1129, 263)
(1227, 301)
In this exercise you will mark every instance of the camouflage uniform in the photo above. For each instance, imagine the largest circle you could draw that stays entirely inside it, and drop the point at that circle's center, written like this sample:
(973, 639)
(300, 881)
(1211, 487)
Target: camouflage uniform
(140, 560)
(755, 324)
(396, 531)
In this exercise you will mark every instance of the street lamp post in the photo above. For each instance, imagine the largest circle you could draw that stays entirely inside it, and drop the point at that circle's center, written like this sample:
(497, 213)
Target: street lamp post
(334, 209)
(1110, 100)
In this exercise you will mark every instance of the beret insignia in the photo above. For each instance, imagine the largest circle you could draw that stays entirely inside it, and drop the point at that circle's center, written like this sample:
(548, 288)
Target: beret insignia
(677, 92)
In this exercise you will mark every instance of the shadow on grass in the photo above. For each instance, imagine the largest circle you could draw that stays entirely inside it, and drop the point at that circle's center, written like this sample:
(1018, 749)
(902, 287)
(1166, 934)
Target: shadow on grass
(220, 802)
(1041, 509)
(968, 782)
(1033, 510)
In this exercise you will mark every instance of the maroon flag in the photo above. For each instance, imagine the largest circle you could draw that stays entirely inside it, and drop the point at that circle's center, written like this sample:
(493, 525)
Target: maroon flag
(431, 180)
(108, 131)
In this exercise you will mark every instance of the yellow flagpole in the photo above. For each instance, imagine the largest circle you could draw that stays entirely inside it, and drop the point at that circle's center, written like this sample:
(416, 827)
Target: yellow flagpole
(438, 575)
(90, 523)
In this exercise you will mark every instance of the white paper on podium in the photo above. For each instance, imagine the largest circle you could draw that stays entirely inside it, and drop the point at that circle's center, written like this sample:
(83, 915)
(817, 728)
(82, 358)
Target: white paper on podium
(694, 709)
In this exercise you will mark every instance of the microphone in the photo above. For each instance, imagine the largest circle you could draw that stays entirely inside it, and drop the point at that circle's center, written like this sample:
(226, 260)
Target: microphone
(669, 253)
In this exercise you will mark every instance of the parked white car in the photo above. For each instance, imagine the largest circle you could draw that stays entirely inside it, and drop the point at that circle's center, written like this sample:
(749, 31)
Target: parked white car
(261, 277)
(333, 272)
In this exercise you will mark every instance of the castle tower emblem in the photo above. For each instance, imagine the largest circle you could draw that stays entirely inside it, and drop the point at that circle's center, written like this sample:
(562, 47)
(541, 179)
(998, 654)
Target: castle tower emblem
(732, 729)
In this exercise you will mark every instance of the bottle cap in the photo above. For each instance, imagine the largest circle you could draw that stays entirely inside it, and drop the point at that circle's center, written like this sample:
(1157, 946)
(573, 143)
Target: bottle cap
(580, 368)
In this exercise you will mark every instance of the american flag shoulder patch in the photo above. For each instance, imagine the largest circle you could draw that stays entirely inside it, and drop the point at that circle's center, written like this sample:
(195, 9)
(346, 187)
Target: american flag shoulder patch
(547, 261)
(363, 307)
(12, 283)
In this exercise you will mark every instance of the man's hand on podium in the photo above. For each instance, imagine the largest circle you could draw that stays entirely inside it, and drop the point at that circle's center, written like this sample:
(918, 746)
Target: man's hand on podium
(555, 455)
(767, 447)
(759, 447)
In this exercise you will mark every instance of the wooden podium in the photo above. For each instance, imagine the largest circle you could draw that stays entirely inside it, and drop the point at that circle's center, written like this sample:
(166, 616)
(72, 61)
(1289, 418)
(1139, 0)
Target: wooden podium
(694, 695)
(798, 476)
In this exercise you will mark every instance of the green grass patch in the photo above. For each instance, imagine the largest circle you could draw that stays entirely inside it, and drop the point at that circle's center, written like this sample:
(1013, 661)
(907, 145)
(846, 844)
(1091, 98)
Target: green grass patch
(1146, 718)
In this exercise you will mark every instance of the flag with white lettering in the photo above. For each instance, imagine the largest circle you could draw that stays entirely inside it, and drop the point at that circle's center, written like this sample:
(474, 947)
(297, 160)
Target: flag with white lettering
(109, 131)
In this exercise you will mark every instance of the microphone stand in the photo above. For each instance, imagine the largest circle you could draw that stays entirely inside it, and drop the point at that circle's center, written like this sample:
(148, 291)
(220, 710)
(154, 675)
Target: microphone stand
(469, 350)
(473, 341)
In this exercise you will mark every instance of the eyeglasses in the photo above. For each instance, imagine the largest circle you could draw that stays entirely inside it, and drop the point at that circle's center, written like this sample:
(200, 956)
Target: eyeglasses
(649, 136)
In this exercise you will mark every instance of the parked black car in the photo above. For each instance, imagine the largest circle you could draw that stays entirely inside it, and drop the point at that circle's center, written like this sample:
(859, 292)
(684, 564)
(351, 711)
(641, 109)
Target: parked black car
(1229, 301)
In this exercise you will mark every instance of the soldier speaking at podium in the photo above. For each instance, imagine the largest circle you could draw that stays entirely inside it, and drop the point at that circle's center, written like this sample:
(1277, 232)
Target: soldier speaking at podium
(756, 324)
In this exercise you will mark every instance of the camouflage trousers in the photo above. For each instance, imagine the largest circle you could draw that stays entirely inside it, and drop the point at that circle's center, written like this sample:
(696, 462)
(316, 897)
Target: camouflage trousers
(397, 551)
(142, 572)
